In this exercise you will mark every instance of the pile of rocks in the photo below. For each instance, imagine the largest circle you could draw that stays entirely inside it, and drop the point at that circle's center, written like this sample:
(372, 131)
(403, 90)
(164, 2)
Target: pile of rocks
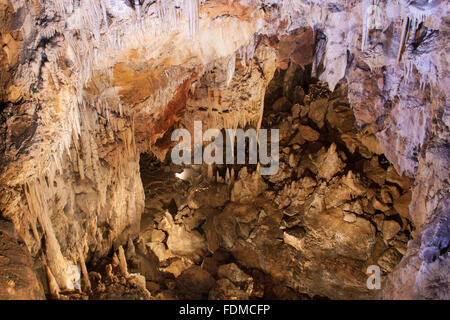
(340, 197)
(335, 207)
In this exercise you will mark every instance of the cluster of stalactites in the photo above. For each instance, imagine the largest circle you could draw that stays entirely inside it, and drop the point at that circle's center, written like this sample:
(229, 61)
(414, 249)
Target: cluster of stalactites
(378, 14)
(94, 31)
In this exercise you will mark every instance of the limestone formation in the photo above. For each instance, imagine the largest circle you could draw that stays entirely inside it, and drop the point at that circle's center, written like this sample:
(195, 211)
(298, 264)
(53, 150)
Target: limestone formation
(91, 92)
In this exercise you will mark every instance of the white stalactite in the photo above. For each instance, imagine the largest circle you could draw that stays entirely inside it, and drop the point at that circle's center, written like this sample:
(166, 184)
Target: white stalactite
(231, 68)
(191, 15)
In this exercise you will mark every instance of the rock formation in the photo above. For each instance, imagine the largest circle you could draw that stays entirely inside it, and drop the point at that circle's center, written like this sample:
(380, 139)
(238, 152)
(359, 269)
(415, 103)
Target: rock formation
(358, 89)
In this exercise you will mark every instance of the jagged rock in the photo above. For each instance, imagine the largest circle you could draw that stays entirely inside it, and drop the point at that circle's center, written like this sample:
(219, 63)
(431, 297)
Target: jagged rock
(194, 283)
(353, 207)
(329, 163)
(281, 105)
(385, 196)
(297, 139)
(285, 130)
(317, 111)
(390, 229)
(292, 160)
(400, 243)
(160, 250)
(194, 221)
(153, 287)
(352, 143)
(389, 259)
(378, 205)
(307, 133)
(355, 184)
(305, 109)
(308, 183)
(349, 217)
(213, 196)
(367, 206)
(341, 118)
(337, 194)
(354, 240)
(158, 236)
(18, 277)
(177, 267)
(248, 186)
(233, 273)
(210, 265)
(186, 243)
(401, 205)
(138, 281)
(293, 237)
(298, 95)
(374, 172)
(224, 289)
(393, 191)
(393, 177)
(295, 110)
(378, 219)
(370, 141)
(78, 108)
(284, 172)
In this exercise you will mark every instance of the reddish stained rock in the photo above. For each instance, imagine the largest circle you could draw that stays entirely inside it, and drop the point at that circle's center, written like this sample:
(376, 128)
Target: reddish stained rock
(160, 130)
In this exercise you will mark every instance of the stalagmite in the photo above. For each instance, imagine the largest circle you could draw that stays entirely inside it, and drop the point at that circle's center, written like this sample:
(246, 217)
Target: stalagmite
(122, 262)
(227, 176)
(219, 179)
(137, 6)
(210, 172)
(105, 15)
(52, 284)
(84, 273)
(232, 175)
(115, 260)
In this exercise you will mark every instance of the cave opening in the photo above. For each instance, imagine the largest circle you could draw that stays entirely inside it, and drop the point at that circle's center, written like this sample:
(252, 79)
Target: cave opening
(335, 207)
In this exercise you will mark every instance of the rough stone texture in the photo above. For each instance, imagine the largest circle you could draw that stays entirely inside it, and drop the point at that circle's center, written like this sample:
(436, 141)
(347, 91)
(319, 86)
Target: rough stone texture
(18, 275)
(87, 86)
(265, 237)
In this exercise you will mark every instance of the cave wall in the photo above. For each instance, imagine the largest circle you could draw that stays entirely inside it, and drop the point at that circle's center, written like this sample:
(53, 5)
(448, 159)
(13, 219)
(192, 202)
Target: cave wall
(88, 85)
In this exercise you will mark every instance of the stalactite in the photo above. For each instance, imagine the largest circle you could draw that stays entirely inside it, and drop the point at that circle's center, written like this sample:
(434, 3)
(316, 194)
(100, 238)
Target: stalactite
(251, 48)
(191, 15)
(37, 193)
(231, 68)
(365, 30)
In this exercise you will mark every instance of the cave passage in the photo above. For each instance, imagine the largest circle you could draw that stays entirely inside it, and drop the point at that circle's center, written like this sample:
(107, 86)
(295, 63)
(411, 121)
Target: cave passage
(335, 207)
